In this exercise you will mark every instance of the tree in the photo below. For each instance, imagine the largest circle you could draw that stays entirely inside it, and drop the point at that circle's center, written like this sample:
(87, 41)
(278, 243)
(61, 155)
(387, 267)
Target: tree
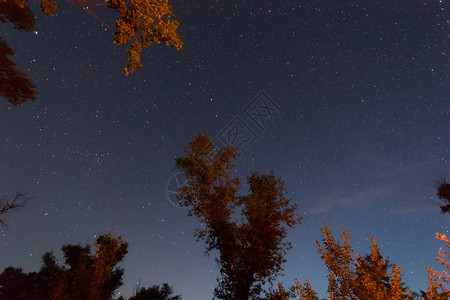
(18, 13)
(15, 86)
(305, 291)
(84, 275)
(374, 280)
(47, 275)
(155, 293)
(251, 243)
(141, 23)
(48, 7)
(443, 193)
(437, 280)
(278, 294)
(339, 260)
(353, 277)
(89, 276)
(15, 284)
(16, 204)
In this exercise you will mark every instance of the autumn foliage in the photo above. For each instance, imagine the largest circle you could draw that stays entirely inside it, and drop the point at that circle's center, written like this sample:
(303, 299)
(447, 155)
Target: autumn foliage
(351, 276)
(15, 86)
(84, 275)
(140, 24)
(89, 276)
(143, 22)
(437, 280)
(248, 231)
(248, 234)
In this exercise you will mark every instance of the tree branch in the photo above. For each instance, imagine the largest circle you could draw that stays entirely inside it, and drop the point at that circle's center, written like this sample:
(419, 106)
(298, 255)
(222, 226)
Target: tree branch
(16, 204)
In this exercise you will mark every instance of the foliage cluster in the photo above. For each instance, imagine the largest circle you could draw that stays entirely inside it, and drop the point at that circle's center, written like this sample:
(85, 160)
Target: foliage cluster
(443, 193)
(83, 276)
(248, 231)
(140, 24)
(15, 86)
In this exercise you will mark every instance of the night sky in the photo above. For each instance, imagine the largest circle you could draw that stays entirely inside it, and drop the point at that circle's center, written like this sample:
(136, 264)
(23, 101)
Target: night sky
(356, 122)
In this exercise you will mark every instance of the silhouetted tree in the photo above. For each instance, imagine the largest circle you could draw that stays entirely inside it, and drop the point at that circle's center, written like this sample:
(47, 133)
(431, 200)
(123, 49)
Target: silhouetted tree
(84, 276)
(155, 293)
(18, 13)
(251, 243)
(15, 284)
(46, 276)
(443, 192)
(278, 294)
(15, 86)
(17, 203)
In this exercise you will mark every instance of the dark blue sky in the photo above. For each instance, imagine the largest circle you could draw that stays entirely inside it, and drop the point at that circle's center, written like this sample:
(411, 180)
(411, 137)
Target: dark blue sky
(361, 133)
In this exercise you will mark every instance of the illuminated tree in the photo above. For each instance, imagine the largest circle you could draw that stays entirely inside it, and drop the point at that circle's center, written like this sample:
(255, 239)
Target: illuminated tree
(89, 276)
(374, 280)
(140, 24)
(249, 232)
(353, 277)
(143, 22)
(49, 7)
(305, 291)
(339, 260)
(437, 280)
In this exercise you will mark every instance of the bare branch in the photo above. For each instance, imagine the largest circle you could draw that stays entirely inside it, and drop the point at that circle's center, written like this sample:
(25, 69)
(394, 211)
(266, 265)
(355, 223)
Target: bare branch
(15, 204)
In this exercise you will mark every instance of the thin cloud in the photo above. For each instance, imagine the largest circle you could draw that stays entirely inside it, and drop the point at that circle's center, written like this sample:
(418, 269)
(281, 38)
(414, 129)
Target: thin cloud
(353, 198)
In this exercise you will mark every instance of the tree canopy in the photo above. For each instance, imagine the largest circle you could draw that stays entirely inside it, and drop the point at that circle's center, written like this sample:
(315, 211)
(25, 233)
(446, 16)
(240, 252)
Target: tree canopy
(155, 292)
(249, 231)
(437, 280)
(90, 276)
(351, 276)
(443, 193)
(84, 275)
(140, 24)
(15, 86)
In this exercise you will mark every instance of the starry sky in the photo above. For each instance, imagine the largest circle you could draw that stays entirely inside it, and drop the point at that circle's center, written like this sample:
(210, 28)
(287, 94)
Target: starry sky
(354, 116)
